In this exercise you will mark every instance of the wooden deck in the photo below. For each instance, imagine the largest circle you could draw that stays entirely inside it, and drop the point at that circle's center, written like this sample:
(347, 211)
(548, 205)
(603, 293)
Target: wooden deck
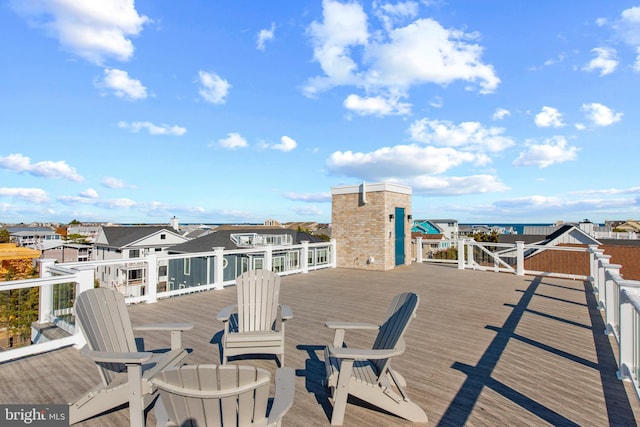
(486, 349)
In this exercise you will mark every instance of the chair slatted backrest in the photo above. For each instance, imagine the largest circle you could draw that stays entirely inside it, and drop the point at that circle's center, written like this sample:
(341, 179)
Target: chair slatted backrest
(258, 298)
(400, 312)
(213, 395)
(104, 320)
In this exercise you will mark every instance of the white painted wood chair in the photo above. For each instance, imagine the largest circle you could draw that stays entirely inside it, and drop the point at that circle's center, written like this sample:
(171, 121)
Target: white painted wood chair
(258, 326)
(214, 395)
(125, 371)
(367, 373)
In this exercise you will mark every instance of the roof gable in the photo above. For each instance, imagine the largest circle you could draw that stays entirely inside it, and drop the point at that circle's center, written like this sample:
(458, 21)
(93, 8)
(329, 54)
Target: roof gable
(121, 237)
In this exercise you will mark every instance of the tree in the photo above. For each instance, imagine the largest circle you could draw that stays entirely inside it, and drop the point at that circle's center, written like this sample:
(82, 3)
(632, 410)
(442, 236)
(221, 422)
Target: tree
(75, 222)
(4, 236)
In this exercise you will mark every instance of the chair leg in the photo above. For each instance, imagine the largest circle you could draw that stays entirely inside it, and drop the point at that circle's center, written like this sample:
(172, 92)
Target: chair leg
(341, 392)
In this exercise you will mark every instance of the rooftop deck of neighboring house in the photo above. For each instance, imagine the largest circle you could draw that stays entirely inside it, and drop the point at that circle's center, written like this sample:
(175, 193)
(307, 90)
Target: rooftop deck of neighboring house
(485, 349)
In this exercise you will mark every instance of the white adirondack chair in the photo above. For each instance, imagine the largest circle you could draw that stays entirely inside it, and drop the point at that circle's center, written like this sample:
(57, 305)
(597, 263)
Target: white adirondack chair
(104, 320)
(366, 373)
(213, 395)
(258, 327)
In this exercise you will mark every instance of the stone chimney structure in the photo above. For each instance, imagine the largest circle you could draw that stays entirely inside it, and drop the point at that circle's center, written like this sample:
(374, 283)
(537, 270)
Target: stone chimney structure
(372, 225)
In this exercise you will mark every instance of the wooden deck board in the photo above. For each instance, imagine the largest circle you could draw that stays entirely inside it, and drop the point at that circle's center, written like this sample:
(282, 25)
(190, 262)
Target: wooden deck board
(485, 349)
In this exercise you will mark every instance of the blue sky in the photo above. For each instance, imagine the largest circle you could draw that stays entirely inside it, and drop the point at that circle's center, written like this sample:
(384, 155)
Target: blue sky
(235, 111)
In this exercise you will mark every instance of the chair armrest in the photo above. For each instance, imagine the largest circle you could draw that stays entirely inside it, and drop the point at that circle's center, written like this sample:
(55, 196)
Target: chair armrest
(175, 328)
(285, 391)
(132, 358)
(164, 327)
(363, 354)
(285, 312)
(225, 313)
(336, 324)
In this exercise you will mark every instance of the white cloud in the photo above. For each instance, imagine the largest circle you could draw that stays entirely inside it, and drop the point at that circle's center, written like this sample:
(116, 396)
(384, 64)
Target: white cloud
(456, 185)
(214, 88)
(232, 141)
(628, 26)
(264, 36)
(552, 151)
(94, 30)
(344, 25)
(400, 161)
(45, 169)
(605, 61)
(89, 193)
(549, 117)
(392, 14)
(35, 195)
(436, 102)
(307, 210)
(469, 136)
(122, 85)
(153, 129)
(286, 144)
(309, 197)
(601, 115)
(500, 114)
(376, 105)
(390, 62)
(113, 183)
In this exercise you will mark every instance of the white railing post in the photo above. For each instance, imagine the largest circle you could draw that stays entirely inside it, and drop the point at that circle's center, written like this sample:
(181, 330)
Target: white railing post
(520, 258)
(470, 259)
(45, 306)
(611, 298)
(152, 278)
(628, 341)
(218, 269)
(418, 249)
(461, 254)
(334, 261)
(593, 264)
(268, 258)
(602, 261)
(304, 262)
(86, 281)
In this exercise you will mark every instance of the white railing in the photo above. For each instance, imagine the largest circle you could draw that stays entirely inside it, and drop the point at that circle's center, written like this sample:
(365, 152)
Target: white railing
(59, 284)
(519, 258)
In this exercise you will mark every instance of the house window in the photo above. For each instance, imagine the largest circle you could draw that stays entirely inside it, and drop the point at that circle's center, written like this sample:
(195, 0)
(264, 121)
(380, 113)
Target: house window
(312, 258)
(162, 270)
(294, 260)
(278, 264)
(321, 256)
(187, 266)
(134, 275)
(134, 253)
(163, 237)
(258, 263)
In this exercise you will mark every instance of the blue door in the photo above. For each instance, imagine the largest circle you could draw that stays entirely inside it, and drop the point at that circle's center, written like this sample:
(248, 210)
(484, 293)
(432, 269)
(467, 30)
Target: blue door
(399, 227)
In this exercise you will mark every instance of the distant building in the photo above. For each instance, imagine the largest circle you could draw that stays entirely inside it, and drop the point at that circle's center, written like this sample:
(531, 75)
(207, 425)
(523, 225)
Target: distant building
(65, 252)
(200, 270)
(130, 242)
(30, 236)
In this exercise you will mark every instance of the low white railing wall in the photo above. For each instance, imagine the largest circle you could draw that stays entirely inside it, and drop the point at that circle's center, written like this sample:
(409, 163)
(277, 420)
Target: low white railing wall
(78, 277)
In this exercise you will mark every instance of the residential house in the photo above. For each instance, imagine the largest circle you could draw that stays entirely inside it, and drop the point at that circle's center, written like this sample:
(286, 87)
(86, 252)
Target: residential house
(62, 251)
(449, 227)
(89, 232)
(31, 236)
(189, 272)
(131, 242)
